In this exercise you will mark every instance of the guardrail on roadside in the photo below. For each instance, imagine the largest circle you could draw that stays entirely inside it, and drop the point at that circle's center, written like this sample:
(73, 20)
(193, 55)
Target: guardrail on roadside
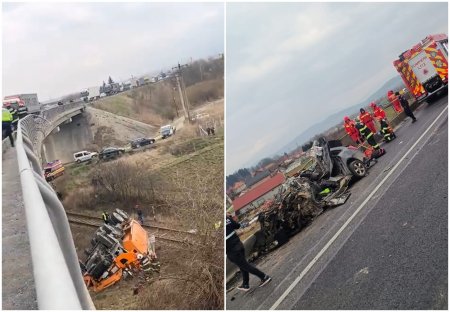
(57, 274)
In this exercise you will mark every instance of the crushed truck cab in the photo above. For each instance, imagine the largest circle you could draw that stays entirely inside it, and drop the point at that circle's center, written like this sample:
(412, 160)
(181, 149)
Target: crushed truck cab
(119, 248)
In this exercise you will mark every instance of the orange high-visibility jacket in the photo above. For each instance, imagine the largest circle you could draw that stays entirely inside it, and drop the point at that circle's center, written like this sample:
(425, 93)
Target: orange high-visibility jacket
(366, 118)
(379, 113)
(350, 128)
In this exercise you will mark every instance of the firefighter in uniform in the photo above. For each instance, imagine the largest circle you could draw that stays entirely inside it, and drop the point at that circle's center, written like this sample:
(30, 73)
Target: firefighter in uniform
(367, 134)
(7, 120)
(386, 131)
(349, 127)
(378, 112)
(105, 217)
(367, 119)
(394, 101)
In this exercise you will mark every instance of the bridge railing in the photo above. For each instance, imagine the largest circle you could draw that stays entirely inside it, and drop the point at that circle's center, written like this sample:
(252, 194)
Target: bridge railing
(57, 274)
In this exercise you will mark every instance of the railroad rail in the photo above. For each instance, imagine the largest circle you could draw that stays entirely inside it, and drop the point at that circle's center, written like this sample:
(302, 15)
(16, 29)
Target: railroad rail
(162, 233)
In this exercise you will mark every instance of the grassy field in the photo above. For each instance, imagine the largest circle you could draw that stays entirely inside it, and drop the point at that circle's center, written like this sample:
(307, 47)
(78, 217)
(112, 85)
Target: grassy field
(156, 104)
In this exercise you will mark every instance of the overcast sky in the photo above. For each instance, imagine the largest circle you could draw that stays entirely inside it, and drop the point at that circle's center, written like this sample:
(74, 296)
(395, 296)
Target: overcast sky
(291, 65)
(57, 48)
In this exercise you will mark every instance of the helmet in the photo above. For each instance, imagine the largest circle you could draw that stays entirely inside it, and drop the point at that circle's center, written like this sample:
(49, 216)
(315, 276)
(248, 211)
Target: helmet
(346, 118)
(373, 104)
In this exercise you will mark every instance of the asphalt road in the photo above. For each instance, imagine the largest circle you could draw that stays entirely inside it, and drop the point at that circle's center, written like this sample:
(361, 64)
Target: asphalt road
(393, 252)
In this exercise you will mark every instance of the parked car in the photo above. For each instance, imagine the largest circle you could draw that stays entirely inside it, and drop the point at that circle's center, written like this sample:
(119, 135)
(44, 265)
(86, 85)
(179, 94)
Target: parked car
(141, 142)
(167, 131)
(53, 170)
(110, 153)
(84, 156)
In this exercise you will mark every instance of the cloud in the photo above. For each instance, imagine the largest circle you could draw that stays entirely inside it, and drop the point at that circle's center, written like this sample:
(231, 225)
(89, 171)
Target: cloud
(291, 65)
(59, 48)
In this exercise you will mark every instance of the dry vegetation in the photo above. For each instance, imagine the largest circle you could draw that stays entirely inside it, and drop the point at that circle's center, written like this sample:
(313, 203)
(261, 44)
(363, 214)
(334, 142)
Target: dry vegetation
(178, 183)
(182, 179)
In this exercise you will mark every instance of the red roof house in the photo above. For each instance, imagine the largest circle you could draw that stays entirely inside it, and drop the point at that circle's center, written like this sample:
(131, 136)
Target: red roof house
(258, 191)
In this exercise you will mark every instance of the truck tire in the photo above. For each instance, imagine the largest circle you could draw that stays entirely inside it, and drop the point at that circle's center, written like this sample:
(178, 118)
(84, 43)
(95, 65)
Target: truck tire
(122, 213)
(116, 218)
(357, 168)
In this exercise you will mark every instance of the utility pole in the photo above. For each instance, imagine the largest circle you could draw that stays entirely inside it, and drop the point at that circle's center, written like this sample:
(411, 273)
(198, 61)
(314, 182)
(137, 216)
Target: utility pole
(182, 89)
(175, 102)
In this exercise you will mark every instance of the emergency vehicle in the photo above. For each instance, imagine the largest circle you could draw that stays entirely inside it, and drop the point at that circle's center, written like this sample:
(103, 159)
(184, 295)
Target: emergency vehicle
(53, 170)
(424, 67)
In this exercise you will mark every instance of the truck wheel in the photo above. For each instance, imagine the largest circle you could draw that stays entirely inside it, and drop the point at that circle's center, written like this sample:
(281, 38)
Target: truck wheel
(116, 218)
(122, 213)
(357, 168)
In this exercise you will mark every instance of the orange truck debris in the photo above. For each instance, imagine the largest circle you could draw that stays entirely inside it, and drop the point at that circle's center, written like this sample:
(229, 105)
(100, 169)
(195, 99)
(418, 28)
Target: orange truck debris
(119, 248)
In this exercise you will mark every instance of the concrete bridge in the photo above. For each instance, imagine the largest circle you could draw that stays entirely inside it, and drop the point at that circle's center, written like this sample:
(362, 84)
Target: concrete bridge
(40, 264)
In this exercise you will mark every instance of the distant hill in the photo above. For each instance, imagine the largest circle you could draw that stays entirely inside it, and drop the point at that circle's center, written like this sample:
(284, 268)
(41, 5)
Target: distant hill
(393, 83)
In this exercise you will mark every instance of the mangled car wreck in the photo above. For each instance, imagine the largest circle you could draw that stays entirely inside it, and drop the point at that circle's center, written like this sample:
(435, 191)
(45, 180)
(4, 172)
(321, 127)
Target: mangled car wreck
(305, 196)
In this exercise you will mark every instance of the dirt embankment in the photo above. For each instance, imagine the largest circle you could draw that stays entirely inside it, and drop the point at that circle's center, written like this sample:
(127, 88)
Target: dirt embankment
(110, 129)
(179, 184)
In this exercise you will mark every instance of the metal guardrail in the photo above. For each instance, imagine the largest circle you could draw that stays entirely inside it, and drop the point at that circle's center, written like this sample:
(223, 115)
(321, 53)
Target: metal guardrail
(57, 274)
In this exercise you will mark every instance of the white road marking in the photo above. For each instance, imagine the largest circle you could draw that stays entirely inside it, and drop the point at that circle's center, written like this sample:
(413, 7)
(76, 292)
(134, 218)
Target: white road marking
(325, 248)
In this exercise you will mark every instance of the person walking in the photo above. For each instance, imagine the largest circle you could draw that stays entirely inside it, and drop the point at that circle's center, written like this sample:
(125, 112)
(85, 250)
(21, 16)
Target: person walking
(236, 254)
(353, 133)
(405, 104)
(394, 101)
(367, 119)
(7, 119)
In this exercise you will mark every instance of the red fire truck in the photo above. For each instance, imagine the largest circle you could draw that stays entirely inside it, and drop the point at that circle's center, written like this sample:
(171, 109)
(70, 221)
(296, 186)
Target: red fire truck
(424, 67)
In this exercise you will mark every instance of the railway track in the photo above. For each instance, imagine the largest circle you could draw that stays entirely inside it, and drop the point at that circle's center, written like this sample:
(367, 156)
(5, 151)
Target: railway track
(161, 233)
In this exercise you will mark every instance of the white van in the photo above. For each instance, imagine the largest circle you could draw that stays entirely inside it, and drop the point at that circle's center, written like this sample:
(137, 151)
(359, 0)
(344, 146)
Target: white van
(167, 131)
(84, 156)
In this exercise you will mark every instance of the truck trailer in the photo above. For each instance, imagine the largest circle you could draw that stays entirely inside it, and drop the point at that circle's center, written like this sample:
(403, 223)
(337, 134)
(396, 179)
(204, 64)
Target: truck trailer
(24, 103)
(424, 67)
(94, 93)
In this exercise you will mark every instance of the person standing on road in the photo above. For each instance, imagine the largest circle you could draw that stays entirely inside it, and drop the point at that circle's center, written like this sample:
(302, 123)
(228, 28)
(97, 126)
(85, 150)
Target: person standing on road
(367, 119)
(378, 112)
(349, 127)
(367, 134)
(7, 119)
(394, 101)
(236, 254)
(405, 104)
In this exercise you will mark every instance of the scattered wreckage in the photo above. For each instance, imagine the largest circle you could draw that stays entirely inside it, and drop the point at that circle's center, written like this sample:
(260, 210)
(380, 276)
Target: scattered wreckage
(118, 249)
(305, 196)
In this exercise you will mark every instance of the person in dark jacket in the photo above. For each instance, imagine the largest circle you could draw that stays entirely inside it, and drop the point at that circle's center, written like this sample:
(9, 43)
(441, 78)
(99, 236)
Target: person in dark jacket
(236, 254)
(405, 104)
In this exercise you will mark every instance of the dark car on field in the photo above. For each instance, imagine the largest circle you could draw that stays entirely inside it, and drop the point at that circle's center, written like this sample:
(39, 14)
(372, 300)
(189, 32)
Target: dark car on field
(141, 142)
(110, 153)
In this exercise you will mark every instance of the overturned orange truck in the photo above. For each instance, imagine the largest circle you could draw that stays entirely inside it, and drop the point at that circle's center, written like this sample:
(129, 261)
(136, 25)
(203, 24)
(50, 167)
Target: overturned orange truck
(119, 248)
(424, 67)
